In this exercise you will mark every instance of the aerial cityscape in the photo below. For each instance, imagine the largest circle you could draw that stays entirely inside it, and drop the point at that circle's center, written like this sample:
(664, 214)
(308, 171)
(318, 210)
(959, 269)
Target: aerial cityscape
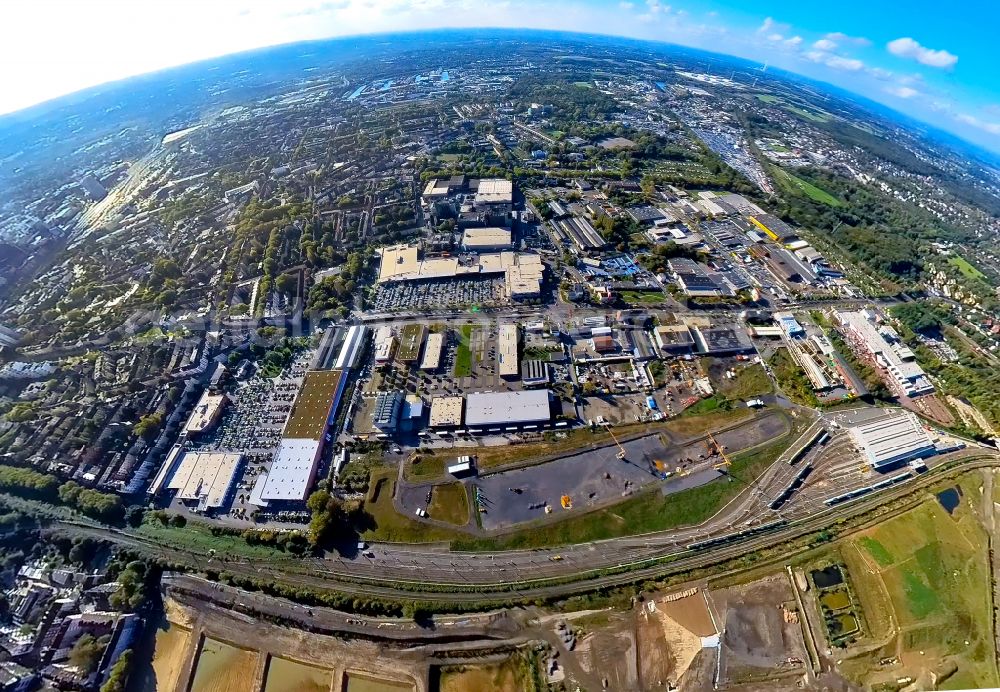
(495, 359)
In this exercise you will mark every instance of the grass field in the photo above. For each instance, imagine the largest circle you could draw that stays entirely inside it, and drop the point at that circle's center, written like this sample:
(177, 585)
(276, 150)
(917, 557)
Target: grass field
(968, 271)
(808, 115)
(808, 189)
(646, 512)
(450, 504)
(791, 379)
(388, 524)
(463, 354)
(924, 576)
(751, 380)
(769, 98)
(643, 297)
(196, 536)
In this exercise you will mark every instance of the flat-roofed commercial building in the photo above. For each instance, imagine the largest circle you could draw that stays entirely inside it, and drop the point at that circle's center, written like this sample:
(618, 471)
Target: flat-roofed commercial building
(581, 233)
(294, 467)
(486, 239)
(523, 273)
(775, 228)
(495, 192)
(446, 412)
(884, 346)
(535, 373)
(205, 479)
(507, 408)
(432, 352)
(721, 339)
(385, 416)
(673, 338)
(292, 471)
(354, 343)
(206, 413)
(385, 344)
(398, 260)
(508, 362)
(893, 439)
(411, 339)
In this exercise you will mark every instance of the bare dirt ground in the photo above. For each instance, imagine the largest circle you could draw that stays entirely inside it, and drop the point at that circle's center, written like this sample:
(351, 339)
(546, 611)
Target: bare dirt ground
(691, 613)
(666, 648)
(758, 643)
(610, 654)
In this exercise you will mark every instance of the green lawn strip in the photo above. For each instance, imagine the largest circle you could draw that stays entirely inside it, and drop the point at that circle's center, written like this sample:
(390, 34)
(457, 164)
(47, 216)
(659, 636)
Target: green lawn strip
(646, 512)
(797, 184)
(463, 355)
(198, 537)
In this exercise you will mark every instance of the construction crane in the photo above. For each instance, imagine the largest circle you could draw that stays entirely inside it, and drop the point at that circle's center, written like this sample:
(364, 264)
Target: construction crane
(725, 463)
(621, 450)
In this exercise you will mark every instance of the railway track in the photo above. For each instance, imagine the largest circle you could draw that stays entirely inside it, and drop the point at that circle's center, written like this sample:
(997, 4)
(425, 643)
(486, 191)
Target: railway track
(666, 561)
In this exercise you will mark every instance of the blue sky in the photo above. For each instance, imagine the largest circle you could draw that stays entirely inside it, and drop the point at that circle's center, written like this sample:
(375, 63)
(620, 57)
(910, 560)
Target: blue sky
(930, 60)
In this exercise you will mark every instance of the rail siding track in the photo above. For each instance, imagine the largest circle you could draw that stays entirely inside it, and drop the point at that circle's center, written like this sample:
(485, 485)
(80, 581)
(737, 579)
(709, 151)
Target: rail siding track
(670, 563)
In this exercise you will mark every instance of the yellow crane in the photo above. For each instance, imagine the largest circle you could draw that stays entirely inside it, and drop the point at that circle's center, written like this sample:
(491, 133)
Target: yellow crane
(725, 463)
(621, 450)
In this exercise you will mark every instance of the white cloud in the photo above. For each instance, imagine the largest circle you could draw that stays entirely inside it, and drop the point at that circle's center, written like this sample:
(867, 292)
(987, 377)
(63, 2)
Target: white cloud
(794, 42)
(841, 37)
(880, 73)
(837, 62)
(908, 48)
(825, 44)
(775, 37)
(986, 126)
(841, 63)
(656, 8)
(769, 26)
(626, 5)
(903, 92)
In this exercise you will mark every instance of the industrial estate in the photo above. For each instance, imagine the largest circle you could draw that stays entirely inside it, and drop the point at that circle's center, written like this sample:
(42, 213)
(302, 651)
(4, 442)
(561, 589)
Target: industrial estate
(426, 367)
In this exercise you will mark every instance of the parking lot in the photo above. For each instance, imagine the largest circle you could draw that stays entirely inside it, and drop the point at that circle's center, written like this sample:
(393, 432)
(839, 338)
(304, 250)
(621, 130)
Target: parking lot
(253, 423)
(440, 293)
